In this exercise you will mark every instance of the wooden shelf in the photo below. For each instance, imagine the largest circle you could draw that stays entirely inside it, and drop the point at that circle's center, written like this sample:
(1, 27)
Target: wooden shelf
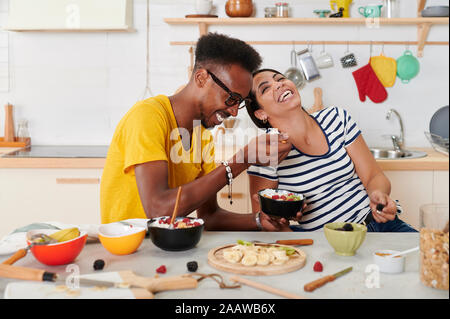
(73, 30)
(298, 21)
(423, 26)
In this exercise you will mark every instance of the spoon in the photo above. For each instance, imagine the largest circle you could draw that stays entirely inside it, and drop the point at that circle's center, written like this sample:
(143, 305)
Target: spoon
(404, 252)
(36, 240)
(175, 209)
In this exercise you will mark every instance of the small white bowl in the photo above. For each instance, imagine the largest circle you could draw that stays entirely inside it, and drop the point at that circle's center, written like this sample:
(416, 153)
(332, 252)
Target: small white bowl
(387, 264)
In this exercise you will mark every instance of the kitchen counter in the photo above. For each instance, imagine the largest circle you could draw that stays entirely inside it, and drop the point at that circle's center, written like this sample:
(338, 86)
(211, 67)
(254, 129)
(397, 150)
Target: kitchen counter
(94, 157)
(353, 285)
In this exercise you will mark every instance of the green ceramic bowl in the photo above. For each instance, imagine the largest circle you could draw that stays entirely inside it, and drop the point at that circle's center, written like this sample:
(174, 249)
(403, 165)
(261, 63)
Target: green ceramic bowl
(345, 243)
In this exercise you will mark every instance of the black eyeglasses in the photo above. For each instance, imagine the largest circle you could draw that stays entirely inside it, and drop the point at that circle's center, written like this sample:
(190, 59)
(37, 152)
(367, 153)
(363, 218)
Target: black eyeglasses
(233, 98)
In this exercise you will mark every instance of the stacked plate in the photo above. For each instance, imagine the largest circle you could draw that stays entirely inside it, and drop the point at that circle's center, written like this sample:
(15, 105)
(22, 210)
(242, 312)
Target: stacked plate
(439, 127)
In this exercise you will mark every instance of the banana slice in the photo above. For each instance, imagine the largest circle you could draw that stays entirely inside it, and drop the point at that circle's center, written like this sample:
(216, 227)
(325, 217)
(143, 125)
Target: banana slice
(232, 255)
(263, 259)
(249, 260)
(280, 261)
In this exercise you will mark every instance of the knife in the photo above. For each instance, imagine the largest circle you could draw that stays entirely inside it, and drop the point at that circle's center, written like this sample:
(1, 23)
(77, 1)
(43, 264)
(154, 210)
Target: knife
(151, 284)
(322, 281)
(291, 242)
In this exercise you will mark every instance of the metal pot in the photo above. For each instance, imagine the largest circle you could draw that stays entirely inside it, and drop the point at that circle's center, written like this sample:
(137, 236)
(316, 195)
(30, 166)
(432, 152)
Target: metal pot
(294, 73)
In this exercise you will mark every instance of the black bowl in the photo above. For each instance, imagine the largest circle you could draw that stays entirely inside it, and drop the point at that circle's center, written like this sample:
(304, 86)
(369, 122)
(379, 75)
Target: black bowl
(277, 208)
(175, 239)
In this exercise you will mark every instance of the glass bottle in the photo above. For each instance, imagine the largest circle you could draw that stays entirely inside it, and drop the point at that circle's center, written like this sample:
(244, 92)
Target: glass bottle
(22, 131)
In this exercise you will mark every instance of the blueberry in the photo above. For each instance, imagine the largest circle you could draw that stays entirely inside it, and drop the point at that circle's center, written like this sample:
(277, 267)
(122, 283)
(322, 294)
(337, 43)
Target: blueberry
(192, 266)
(99, 264)
(380, 207)
(348, 227)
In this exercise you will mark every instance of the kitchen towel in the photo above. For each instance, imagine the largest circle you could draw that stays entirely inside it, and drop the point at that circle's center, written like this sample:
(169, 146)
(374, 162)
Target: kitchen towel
(369, 85)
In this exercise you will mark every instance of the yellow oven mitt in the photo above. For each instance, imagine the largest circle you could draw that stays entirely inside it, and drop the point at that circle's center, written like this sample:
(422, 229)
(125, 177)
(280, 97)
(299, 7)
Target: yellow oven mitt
(385, 68)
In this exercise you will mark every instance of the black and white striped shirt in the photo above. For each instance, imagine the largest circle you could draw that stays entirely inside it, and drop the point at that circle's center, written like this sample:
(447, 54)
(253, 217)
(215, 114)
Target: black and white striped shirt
(329, 182)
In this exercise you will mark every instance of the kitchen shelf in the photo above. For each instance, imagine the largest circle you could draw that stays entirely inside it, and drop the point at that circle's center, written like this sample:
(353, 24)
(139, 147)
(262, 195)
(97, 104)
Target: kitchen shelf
(73, 30)
(423, 25)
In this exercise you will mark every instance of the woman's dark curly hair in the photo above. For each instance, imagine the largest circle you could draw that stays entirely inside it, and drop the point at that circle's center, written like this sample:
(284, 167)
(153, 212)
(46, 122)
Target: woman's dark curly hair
(215, 48)
(253, 106)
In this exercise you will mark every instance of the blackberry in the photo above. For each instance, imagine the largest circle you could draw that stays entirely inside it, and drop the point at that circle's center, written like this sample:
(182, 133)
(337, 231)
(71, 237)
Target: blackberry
(192, 266)
(380, 207)
(348, 227)
(99, 264)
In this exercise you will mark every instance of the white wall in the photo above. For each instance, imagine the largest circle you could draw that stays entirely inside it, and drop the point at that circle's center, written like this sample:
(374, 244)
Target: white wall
(74, 87)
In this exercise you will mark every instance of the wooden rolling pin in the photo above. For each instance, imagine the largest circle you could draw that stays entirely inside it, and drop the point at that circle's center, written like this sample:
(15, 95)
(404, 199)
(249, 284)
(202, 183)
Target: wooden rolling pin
(260, 286)
(9, 124)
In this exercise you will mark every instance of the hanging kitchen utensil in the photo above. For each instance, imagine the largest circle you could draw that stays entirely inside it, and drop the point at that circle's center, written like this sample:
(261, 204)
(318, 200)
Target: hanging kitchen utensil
(408, 66)
(294, 73)
(385, 68)
(349, 59)
(308, 65)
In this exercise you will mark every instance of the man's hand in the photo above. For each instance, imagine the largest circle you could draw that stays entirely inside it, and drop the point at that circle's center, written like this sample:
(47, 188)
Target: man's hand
(265, 150)
(272, 224)
(388, 212)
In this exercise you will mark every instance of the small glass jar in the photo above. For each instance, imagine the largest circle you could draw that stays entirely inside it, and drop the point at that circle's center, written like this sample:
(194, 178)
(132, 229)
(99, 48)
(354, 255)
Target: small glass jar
(22, 131)
(282, 9)
(270, 12)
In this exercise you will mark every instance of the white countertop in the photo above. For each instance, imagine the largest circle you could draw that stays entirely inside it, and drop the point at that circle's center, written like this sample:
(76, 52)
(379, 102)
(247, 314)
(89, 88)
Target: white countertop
(144, 262)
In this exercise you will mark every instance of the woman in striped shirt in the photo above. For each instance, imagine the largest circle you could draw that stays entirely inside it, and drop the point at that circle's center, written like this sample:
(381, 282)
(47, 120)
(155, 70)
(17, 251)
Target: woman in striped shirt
(330, 163)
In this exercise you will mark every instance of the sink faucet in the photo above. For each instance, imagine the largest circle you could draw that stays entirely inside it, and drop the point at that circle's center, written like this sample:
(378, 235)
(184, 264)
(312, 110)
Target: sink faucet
(397, 141)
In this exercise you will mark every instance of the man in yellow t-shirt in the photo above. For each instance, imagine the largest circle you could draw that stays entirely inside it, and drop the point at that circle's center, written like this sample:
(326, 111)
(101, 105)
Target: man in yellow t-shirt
(163, 143)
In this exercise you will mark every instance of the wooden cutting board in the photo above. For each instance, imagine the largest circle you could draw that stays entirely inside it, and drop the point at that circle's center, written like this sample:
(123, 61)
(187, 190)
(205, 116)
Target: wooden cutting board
(48, 290)
(216, 259)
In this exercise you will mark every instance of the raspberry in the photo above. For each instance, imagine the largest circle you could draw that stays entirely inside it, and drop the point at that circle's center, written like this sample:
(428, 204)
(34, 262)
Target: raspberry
(283, 197)
(318, 266)
(161, 270)
(275, 197)
(186, 220)
(197, 224)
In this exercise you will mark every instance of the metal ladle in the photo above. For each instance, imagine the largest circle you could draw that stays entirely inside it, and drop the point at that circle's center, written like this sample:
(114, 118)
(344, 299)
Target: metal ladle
(294, 73)
(36, 240)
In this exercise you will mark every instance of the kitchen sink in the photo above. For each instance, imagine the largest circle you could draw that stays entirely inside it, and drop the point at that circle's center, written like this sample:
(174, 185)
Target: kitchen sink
(382, 153)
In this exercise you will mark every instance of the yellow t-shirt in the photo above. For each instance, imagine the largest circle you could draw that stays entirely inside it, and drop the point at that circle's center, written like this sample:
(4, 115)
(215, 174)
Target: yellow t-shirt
(149, 132)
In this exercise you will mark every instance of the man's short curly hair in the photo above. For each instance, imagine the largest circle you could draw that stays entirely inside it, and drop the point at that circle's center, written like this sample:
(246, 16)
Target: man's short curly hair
(214, 48)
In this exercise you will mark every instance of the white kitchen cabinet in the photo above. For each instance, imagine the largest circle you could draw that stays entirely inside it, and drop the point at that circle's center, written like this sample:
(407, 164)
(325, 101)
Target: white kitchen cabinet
(416, 188)
(29, 195)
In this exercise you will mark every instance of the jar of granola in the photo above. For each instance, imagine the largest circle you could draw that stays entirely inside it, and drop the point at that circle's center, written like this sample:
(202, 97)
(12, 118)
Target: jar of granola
(434, 267)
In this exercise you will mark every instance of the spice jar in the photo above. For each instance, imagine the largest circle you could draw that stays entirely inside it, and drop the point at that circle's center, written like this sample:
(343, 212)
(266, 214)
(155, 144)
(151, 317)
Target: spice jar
(434, 267)
(282, 9)
(270, 12)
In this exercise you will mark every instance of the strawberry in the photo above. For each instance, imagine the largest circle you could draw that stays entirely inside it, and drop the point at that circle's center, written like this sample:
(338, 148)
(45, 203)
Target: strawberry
(197, 224)
(186, 220)
(275, 197)
(161, 270)
(283, 197)
(318, 266)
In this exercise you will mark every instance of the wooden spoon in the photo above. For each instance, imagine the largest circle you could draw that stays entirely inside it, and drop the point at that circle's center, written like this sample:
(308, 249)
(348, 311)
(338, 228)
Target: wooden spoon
(175, 209)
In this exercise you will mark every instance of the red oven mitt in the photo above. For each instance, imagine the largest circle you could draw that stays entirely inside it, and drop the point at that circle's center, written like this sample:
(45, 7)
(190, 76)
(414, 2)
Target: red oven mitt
(369, 85)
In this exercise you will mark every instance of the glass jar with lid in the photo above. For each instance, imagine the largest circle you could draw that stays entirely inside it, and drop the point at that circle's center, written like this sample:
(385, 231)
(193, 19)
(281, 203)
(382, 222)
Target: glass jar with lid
(282, 9)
